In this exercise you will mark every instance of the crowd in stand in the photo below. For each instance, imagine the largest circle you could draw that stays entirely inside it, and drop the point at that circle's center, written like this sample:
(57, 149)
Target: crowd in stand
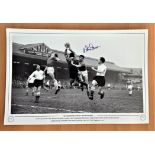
(20, 81)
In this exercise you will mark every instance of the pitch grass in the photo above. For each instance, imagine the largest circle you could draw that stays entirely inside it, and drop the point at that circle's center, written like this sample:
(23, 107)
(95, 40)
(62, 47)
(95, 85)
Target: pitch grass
(76, 101)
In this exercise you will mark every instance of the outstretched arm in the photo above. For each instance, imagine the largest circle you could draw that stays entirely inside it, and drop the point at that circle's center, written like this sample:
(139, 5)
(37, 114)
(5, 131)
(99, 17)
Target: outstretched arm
(51, 56)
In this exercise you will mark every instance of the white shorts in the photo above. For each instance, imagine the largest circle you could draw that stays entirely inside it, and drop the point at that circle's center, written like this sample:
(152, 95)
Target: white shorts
(50, 70)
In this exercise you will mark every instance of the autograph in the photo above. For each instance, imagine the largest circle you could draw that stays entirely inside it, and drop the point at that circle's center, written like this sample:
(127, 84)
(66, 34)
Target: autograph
(90, 47)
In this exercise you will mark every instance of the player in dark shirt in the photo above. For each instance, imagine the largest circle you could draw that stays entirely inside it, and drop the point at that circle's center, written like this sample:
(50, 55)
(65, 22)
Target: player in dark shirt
(82, 72)
(73, 71)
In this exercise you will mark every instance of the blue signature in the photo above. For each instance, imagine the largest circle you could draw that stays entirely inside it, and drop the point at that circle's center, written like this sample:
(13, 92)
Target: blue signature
(90, 47)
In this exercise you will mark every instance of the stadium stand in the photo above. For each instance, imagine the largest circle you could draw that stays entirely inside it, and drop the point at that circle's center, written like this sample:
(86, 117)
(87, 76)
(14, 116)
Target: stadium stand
(25, 58)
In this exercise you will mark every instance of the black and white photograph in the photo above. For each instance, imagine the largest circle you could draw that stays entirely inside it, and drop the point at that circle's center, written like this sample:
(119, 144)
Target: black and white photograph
(76, 77)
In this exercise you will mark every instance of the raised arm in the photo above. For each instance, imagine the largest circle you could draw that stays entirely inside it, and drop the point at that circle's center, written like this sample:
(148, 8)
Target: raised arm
(65, 53)
(68, 48)
(51, 56)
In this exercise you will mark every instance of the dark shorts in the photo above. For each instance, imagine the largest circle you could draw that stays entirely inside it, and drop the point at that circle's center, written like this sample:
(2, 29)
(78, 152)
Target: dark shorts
(100, 80)
(30, 85)
(73, 72)
(38, 83)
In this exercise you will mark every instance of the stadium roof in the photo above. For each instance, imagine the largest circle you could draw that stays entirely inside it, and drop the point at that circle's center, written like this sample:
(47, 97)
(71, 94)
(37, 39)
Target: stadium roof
(28, 46)
(17, 50)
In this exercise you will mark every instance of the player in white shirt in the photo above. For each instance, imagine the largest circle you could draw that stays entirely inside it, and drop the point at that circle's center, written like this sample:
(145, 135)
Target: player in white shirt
(30, 85)
(39, 76)
(99, 79)
(129, 86)
(52, 59)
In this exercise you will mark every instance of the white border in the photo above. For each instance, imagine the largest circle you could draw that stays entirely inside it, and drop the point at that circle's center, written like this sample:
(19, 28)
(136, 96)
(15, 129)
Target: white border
(107, 118)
